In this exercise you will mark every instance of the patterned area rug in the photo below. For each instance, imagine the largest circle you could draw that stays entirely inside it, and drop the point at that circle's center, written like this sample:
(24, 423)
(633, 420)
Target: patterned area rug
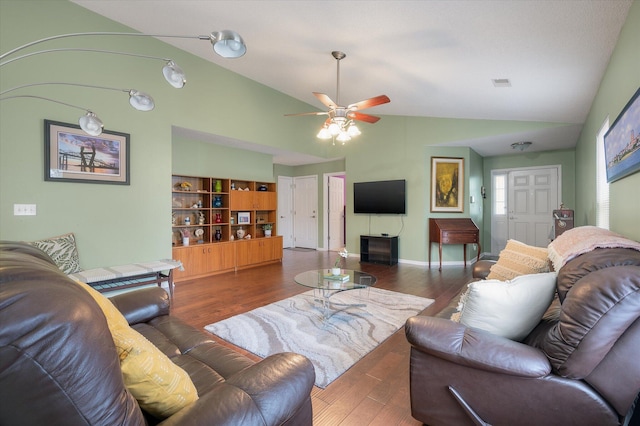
(333, 344)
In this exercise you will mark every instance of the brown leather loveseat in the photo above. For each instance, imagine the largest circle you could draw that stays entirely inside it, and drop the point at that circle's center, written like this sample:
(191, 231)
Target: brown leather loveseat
(59, 365)
(579, 366)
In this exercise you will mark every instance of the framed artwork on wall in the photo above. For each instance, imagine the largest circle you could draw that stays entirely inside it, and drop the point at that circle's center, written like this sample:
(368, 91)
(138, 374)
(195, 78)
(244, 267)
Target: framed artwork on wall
(71, 155)
(622, 142)
(447, 185)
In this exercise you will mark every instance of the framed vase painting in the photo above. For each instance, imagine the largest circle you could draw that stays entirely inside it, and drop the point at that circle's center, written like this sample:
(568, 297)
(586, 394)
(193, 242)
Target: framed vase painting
(447, 185)
(71, 155)
(622, 142)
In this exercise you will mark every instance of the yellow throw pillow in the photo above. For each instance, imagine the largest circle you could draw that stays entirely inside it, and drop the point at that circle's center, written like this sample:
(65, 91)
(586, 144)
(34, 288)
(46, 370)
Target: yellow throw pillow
(519, 259)
(161, 387)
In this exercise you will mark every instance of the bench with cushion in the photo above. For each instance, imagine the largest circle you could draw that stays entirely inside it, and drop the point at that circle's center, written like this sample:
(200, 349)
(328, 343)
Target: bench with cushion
(63, 251)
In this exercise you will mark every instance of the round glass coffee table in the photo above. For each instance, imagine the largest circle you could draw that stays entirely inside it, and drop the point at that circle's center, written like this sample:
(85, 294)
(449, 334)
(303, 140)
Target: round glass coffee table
(325, 285)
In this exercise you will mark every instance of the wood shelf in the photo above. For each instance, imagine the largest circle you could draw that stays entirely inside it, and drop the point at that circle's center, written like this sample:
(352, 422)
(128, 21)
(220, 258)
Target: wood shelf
(213, 198)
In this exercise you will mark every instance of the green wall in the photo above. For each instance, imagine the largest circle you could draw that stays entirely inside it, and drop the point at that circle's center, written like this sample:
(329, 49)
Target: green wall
(198, 158)
(123, 224)
(120, 224)
(619, 83)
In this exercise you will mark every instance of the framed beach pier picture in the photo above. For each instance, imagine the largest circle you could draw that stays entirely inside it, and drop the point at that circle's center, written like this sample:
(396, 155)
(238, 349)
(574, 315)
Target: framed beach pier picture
(71, 155)
(622, 142)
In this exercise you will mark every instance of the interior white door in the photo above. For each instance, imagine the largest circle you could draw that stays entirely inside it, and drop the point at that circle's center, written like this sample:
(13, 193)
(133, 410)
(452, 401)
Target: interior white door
(336, 212)
(533, 195)
(285, 210)
(305, 202)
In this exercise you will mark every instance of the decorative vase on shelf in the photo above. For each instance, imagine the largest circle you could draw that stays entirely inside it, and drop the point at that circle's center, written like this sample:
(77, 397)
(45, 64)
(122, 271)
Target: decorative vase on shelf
(267, 232)
(218, 187)
(217, 201)
(336, 271)
(240, 233)
(218, 235)
(218, 218)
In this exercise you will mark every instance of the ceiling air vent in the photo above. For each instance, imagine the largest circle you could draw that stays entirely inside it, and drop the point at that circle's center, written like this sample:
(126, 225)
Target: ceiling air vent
(501, 82)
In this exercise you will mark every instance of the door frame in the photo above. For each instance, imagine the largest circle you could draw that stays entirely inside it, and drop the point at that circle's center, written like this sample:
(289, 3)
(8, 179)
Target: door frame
(325, 203)
(506, 172)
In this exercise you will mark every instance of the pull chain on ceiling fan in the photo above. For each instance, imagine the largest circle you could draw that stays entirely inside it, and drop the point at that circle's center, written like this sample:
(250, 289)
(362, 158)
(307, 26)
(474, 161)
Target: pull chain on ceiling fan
(340, 125)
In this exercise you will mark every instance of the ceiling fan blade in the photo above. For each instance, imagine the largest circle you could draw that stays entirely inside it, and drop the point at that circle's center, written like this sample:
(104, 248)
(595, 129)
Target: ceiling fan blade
(325, 100)
(308, 113)
(371, 102)
(362, 117)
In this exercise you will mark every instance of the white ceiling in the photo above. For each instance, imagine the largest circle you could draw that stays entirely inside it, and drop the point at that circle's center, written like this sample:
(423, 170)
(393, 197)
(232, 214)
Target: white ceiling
(432, 58)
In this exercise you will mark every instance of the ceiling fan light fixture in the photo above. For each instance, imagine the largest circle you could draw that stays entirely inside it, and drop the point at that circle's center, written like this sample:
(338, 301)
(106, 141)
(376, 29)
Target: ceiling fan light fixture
(353, 130)
(340, 124)
(334, 128)
(343, 137)
(324, 133)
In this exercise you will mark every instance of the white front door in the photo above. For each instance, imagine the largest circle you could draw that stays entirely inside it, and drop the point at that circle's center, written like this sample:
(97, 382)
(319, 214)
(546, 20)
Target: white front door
(285, 210)
(527, 215)
(305, 201)
(336, 212)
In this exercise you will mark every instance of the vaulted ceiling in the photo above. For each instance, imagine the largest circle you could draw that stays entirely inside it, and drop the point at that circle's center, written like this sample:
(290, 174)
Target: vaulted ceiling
(432, 58)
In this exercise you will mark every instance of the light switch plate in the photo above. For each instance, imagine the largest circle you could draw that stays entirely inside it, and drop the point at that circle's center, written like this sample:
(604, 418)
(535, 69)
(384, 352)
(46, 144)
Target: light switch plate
(24, 209)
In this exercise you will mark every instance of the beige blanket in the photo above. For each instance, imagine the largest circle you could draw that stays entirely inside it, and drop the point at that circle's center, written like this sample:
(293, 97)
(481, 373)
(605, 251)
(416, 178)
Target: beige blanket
(583, 239)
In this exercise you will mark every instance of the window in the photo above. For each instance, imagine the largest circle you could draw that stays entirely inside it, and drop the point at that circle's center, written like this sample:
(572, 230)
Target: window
(602, 187)
(500, 194)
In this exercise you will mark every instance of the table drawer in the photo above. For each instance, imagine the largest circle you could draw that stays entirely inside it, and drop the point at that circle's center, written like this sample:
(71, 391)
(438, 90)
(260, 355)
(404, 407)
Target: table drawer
(459, 238)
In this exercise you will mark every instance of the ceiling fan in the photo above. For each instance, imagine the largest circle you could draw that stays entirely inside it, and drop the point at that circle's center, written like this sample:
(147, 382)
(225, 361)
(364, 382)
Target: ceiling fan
(340, 124)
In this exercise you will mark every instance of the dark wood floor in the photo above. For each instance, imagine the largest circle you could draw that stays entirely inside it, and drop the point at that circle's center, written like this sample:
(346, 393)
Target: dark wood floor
(375, 391)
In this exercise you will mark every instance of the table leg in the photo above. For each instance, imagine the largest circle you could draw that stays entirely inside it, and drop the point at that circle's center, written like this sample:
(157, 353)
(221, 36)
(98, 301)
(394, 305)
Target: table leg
(440, 255)
(465, 254)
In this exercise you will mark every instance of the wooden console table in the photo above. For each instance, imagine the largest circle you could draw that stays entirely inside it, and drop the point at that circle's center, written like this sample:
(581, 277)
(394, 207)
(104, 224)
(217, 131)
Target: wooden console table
(453, 231)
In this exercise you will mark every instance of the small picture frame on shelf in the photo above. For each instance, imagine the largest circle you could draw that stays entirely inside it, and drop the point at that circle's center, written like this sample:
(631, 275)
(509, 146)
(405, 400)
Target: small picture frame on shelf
(244, 218)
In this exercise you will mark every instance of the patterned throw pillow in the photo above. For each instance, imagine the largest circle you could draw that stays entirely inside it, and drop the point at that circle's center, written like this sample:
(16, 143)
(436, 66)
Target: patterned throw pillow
(519, 259)
(62, 250)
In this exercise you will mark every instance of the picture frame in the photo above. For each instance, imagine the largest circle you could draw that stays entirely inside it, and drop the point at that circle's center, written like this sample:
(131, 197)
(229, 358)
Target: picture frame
(244, 218)
(622, 142)
(447, 185)
(71, 155)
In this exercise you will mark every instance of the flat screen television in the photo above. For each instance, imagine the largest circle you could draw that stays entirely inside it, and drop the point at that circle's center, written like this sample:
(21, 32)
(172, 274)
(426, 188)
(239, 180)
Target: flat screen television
(380, 197)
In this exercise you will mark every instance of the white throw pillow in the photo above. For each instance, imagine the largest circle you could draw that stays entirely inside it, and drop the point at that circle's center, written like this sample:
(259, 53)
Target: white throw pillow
(509, 309)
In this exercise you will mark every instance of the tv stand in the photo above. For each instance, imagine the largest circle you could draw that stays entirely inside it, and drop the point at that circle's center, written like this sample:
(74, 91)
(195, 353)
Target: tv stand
(379, 249)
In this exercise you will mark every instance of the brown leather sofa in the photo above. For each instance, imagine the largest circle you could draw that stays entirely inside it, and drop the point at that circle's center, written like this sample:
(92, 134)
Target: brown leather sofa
(579, 366)
(59, 365)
